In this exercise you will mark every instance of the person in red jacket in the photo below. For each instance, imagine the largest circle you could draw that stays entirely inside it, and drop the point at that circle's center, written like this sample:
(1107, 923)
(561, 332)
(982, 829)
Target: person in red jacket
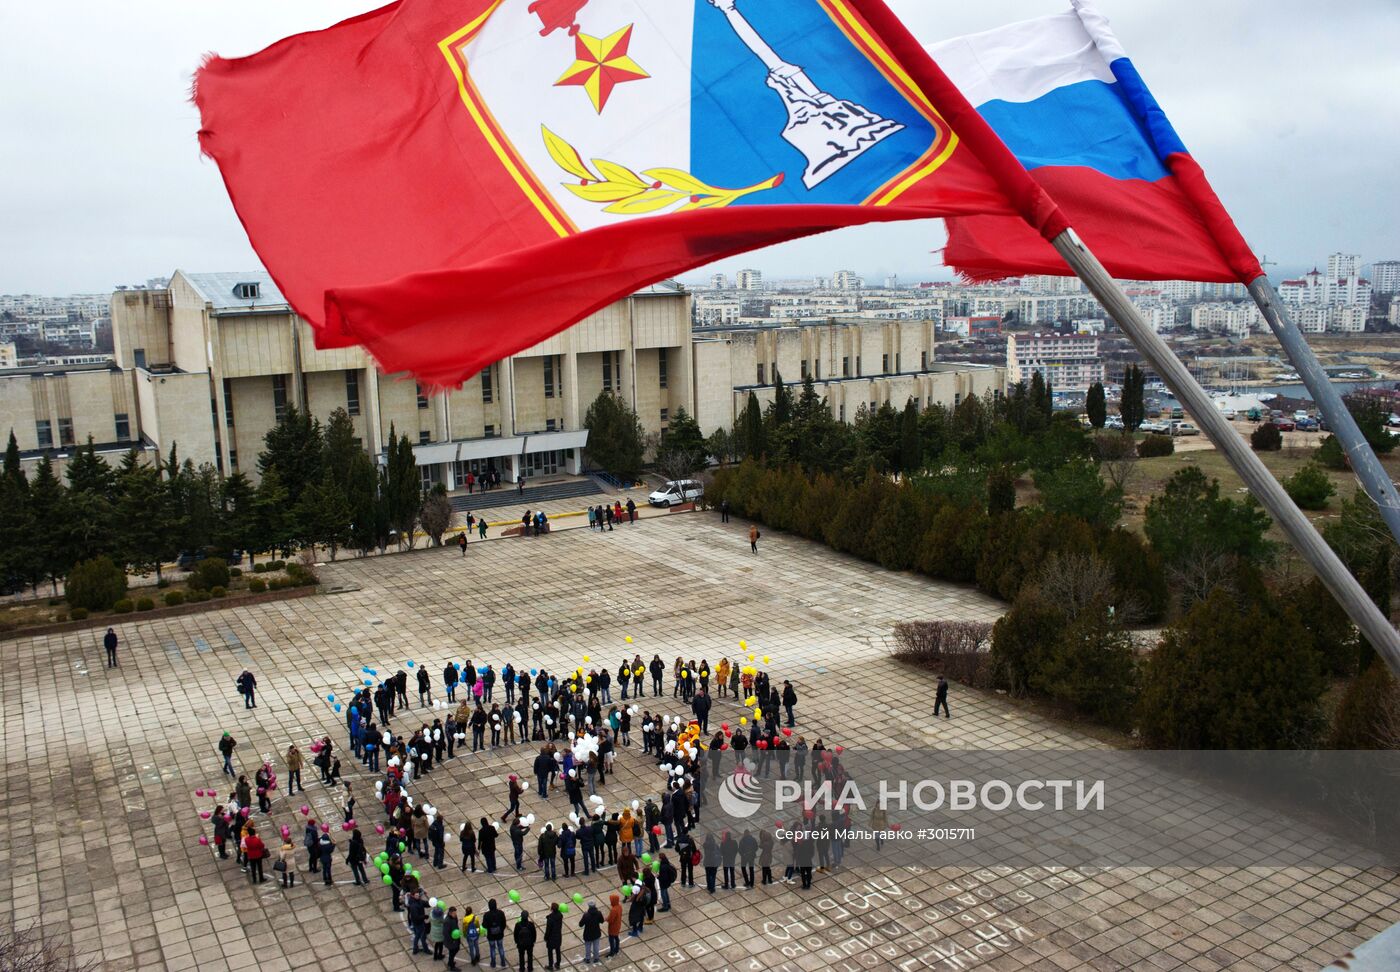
(254, 850)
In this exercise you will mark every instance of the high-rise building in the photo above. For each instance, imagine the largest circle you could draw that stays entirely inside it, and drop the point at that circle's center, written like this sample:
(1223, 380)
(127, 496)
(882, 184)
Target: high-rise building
(718, 281)
(1343, 265)
(749, 280)
(1385, 277)
(846, 280)
(1070, 362)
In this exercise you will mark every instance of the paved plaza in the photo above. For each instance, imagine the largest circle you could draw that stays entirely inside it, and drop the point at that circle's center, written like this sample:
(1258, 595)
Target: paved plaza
(101, 824)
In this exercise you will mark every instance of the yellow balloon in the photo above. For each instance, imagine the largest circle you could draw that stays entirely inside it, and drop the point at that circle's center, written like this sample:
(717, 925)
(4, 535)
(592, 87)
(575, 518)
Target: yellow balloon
(585, 658)
(751, 700)
(685, 673)
(704, 674)
(637, 672)
(751, 658)
(757, 712)
(589, 680)
(743, 644)
(628, 639)
(743, 720)
(765, 659)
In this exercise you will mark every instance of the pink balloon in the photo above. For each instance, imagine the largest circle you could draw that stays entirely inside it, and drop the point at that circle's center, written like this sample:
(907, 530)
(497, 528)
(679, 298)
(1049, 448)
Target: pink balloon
(305, 810)
(199, 793)
(350, 825)
(204, 841)
(379, 828)
(205, 814)
(245, 811)
(286, 831)
(262, 791)
(325, 828)
(346, 827)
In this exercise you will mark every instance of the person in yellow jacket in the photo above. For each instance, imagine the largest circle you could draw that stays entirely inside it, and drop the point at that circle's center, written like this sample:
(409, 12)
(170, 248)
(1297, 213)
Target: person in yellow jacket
(722, 676)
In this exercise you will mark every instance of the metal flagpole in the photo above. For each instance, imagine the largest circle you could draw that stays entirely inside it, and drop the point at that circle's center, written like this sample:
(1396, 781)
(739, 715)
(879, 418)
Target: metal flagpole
(1364, 463)
(1376, 628)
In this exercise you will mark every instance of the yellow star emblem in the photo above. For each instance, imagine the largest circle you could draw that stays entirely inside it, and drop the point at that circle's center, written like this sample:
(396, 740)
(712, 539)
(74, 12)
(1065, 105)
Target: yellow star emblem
(601, 65)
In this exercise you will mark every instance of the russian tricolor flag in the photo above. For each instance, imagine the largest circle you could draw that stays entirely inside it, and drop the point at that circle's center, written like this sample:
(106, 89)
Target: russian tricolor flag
(1062, 94)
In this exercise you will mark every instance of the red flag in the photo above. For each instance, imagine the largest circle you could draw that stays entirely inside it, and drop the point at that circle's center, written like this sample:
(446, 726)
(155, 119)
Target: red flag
(450, 183)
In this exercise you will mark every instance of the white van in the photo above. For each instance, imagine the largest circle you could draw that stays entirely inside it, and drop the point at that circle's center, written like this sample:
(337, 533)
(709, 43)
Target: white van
(677, 491)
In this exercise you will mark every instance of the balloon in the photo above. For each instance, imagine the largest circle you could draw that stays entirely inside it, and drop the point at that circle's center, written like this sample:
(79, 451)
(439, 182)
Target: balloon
(534, 671)
(432, 902)
(203, 841)
(383, 868)
(585, 658)
(578, 898)
(402, 847)
(787, 732)
(646, 858)
(456, 934)
(765, 659)
(388, 879)
(656, 867)
(369, 681)
(656, 829)
(417, 876)
(628, 639)
(840, 749)
(337, 707)
(685, 673)
(365, 669)
(743, 644)
(751, 658)
(410, 664)
(627, 890)
(743, 720)
(305, 810)
(330, 698)
(325, 828)
(514, 896)
(199, 793)
(205, 814)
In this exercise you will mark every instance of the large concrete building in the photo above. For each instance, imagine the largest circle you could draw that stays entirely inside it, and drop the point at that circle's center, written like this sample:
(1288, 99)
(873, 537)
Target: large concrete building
(211, 361)
(1069, 362)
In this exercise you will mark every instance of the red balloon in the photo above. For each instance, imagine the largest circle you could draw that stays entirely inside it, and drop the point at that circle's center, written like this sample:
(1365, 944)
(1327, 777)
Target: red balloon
(787, 732)
(840, 749)
(656, 829)
(723, 746)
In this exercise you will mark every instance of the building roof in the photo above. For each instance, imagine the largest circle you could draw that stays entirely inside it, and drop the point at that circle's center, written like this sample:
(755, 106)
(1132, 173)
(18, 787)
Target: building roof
(218, 290)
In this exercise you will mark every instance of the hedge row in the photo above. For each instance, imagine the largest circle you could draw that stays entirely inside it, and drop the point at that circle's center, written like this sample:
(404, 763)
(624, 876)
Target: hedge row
(906, 526)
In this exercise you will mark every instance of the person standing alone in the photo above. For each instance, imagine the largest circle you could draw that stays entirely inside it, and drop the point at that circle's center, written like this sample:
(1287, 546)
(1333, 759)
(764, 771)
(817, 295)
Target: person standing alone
(940, 698)
(109, 641)
(753, 538)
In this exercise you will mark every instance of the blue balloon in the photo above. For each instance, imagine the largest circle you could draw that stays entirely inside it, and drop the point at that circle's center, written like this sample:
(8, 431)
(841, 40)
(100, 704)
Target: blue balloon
(410, 664)
(330, 698)
(373, 672)
(369, 682)
(534, 671)
(365, 669)
(337, 707)
(457, 665)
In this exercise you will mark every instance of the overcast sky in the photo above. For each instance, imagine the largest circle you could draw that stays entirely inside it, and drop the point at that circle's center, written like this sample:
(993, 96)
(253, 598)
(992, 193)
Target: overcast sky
(1290, 105)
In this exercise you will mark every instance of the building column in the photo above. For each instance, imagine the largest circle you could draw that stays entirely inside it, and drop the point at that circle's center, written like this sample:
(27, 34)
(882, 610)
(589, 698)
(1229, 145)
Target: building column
(506, 374)
(222, 432)
(374, 436)
(574, 409)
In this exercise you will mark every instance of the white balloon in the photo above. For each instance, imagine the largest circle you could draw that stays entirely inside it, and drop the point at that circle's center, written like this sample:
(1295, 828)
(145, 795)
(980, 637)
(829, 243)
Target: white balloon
(548, 721)
(595, 798)
(636, 804)
(388, 739)
(432, 902)
(573, 774)
(517, 716)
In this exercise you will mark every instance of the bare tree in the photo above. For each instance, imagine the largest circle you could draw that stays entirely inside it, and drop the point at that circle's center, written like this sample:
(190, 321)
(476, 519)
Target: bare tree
(677, 461)
(436, 514)
(1117, 454)
(1078, 583)
(27, 950)
(1194, 578)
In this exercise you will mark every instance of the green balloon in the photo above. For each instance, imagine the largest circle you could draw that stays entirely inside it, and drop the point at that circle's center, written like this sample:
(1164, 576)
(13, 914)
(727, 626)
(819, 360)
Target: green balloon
(388, 879)
(402, 847)
(383, 868)
(514, 897)
(646, 858)
(563, 908)
(627, 890)
(578, 898)
(656, 867)
(456, 933)
(417, 876)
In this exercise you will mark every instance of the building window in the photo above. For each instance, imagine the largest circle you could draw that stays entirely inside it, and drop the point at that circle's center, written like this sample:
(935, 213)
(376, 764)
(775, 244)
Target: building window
(550, 425)
(957, 399)
(487, 392)
(279, 397)
(884, 364)
(761, 380)
(428, 478)
(896, 362)
(352, 392)
(247, 291)
(123, 427)
(661, 376)
(65, 431)
(424, 437)
(609, 369)
(845, 367)
(818, 369)
(665, 415)
(549, 369)
(804, 369)
(422, 395)
(923, 361)
(228, 403)
(45, 433)
(489, 432)
(233, 458)
(857, 366)
(843, 411)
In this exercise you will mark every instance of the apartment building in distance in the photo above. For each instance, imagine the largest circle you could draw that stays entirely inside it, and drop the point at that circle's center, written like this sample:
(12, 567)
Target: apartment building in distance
(1070, 362)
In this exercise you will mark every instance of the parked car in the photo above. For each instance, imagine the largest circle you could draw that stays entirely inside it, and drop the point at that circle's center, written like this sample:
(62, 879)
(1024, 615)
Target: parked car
(1307, 425)
(188, 558)
(1285, 425)
(676, 492)
(1154, 428)
(1184, 428)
